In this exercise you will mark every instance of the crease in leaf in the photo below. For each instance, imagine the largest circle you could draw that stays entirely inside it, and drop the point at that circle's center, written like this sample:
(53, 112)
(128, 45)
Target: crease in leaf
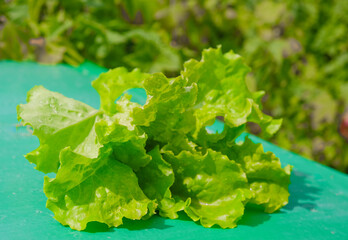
(155, 179)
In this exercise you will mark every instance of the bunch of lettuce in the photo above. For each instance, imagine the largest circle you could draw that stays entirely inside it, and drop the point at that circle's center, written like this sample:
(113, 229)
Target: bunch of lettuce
(133, 161)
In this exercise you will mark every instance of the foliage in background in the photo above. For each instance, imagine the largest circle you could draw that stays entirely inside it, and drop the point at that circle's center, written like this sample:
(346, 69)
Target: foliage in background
(298, 51)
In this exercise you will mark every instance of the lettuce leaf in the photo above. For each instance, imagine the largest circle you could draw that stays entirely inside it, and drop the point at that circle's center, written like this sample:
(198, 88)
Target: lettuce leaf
(155, 179)
(216, 186)
(112, 84)
(58, 122)
(105, 191)
(128, 160)
(268, 180)
(222, 91)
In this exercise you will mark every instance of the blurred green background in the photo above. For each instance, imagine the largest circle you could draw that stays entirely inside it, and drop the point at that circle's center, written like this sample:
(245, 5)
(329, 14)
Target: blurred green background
(298, 52)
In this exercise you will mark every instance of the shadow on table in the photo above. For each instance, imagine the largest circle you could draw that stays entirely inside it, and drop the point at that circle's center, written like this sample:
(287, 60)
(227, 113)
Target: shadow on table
(155, 222)
(93, 227)
(302, 194)
(254, 218)
(132, 225)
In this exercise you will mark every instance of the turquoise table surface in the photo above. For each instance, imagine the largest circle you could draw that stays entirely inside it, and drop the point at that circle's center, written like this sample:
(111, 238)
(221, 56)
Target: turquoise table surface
(317, 209)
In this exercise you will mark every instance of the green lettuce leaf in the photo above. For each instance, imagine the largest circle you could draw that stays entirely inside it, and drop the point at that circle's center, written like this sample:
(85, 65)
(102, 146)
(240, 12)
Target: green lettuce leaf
(217, 187)
(104, 190)
(169, 105)
(167, 115)
(222, 91)
(89, 172)
(112, 84)
(268, 180)
(155, 179)
(58, 122)
(127, 140)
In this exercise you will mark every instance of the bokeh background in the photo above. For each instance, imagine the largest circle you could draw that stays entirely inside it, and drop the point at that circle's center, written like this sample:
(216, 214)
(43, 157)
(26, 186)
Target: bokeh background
(297, 49)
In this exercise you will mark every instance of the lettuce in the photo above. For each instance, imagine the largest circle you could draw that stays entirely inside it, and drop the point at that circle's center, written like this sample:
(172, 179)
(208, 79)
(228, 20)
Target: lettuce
(128, 160)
